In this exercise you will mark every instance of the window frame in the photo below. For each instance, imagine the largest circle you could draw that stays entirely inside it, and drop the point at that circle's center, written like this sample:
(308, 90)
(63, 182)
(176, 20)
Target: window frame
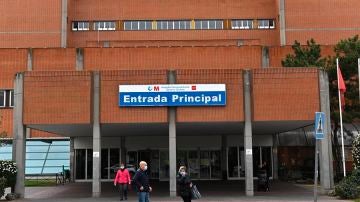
(4, 100)
(80, 26)
(105, 25)
(11, 100)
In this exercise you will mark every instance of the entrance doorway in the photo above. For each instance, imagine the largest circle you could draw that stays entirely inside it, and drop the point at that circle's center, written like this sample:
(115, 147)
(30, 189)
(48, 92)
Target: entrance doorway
(236, 161)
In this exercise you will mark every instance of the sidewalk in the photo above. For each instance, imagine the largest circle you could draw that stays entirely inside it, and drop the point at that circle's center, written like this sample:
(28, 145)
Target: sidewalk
(212, 191)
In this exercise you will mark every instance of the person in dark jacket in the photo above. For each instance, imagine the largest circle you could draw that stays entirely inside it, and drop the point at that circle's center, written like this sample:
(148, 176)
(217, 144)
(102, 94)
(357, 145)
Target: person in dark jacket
(141, 180)
(184, 184)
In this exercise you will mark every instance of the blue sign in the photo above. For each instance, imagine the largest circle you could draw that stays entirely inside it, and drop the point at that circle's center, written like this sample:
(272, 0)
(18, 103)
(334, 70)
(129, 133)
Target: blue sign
(172, 95)
(319, 125)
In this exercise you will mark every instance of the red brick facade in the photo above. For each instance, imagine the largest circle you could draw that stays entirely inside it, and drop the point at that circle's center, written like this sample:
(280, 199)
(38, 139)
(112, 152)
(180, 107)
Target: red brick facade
(31, 33)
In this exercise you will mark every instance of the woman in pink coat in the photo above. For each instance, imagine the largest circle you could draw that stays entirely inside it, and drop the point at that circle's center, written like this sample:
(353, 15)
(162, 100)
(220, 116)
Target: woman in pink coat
(122, 179)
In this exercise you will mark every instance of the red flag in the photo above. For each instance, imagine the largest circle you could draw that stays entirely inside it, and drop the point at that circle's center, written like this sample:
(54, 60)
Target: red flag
(341, 87)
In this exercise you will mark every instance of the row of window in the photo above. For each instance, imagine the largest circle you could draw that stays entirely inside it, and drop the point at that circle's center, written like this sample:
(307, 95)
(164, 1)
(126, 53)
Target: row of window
(173, 24)
(6, 98)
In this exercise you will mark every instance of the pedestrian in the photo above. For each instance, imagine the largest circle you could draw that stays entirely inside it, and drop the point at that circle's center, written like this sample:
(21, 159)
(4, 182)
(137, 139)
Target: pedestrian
(184, 184)
(141, 180)
(123, 180)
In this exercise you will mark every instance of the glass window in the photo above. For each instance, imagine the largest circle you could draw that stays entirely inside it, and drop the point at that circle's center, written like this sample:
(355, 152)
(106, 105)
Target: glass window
(59, 148)
(80, 163)
(114, 159)
(104, 164)
(127, 25)
(148, 25)
(34, 163)
(37, 148)
(134, 25)
(142, 25)
(11, 98)
(171, 25)
(33, 170)
(219, 24)
(2, 98)
(212, 24)
(233, 167)
(35, 156)
(5, 156)
(64, 155)
(57, 162)
(198, 24)
(89, 163)
(56, 169)
(204, 24)
(79, 26)
(105, 25)
(176, 25)
(266, 24)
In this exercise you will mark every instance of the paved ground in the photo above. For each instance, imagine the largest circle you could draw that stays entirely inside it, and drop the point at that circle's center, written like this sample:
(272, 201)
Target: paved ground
(218, 191)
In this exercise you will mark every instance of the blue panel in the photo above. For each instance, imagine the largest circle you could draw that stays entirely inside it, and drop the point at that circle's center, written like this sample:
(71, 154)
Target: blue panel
(65, 143)
(57, 163)
(35, 156)
(34, 170)
(34, 163)
(197, 98)
(37, 143)
(37, 148)
(5, 156)
(6, 149)
(59, 148)
(59, 156)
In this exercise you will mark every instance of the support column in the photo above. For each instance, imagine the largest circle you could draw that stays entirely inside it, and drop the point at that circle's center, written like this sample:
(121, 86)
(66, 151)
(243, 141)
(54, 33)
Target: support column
(326, 158)
(64, 17)
(275, 158)
(249, 179)
(172, 140)
(96, 181)
(223, 157)
(282, 22)
(72, 159)
(19, 133)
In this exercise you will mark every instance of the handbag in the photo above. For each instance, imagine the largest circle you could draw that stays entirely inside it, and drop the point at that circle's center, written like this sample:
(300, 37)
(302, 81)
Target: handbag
(195, 194)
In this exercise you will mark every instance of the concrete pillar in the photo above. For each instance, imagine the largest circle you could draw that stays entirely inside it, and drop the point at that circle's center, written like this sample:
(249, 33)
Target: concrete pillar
(249, 178)
(64, 16)
(79, 59)
(326, 158)
(265, 60)
(122, 150)
(282, 22)
(96, 181)
(172, 140)
(72, 159)
(19, 146)
(223, 157)
(275, 158)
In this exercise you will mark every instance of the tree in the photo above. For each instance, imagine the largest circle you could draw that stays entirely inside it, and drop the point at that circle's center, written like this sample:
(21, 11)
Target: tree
(305, 56)
(356, 152)
(348, 52)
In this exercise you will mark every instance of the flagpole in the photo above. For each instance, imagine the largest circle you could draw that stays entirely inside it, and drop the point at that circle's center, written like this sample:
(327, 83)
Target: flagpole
(341, 123)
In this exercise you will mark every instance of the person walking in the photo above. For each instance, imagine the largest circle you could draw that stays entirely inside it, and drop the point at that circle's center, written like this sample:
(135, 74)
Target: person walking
(141, 180)
(184, 184)
(122, 179)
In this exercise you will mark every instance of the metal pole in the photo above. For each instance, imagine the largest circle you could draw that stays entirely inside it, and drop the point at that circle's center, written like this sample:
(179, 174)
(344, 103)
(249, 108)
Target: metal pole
(341, 124)
(316, 170)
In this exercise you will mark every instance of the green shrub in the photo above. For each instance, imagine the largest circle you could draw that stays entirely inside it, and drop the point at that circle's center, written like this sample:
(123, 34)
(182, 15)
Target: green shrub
(356, 151)
(356, 176)
(347, 188)
(2, 186)
(8, 170)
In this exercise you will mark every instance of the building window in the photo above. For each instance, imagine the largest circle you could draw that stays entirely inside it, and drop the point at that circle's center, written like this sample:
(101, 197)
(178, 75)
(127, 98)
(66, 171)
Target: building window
(241, 24)
(173, 24)
(266, 24)
(104, 25)
(6, 98)
(80, 26)
(138, 25)
(209, 24)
